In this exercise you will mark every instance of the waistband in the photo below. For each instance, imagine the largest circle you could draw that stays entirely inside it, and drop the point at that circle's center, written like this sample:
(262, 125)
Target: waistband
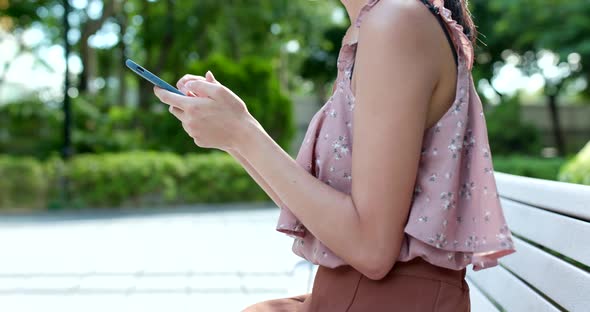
(421, 268)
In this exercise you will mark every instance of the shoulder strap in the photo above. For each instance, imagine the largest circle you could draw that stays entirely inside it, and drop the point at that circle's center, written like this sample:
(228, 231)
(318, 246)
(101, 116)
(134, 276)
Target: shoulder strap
(442, 23)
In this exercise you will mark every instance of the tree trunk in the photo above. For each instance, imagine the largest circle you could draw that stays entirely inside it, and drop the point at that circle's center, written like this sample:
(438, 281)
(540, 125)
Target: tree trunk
(168, 37)
(122, 70)
(88, 29)
(557, 133)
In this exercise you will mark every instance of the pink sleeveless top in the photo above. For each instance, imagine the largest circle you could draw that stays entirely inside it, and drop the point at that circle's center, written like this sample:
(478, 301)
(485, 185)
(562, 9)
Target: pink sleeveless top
(455, 217)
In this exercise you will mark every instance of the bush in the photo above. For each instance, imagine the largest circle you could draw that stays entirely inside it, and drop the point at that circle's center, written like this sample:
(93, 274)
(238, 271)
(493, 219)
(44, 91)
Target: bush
(31, 127)
(255, 81)
(528, 166)
(126, 180)
(508, 134)
(23, 184)
(577, 169)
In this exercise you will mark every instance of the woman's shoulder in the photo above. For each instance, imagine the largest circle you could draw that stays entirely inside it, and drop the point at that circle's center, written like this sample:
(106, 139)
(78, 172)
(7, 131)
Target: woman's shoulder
(395, 21)
(385, 14)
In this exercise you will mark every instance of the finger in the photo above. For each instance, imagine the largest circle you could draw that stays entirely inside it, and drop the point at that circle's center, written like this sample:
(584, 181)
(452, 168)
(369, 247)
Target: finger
(209, 76)
(212, 90)
(177, 112)
(186, 78)
(176, 100)
(181, 84)
(184, 90)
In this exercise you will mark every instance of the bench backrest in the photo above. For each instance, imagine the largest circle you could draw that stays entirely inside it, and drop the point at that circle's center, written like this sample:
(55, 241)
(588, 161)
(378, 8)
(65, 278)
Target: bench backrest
(550, 271)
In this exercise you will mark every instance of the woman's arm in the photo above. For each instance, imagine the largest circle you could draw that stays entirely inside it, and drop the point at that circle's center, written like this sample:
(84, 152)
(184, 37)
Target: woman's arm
(256, 176)
(394, 85)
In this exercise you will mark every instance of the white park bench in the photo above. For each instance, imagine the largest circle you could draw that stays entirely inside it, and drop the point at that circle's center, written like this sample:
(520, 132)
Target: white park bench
(542, 215)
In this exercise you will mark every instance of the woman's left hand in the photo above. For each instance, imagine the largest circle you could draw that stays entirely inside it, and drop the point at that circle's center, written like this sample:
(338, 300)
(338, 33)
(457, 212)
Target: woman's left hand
(214, 118)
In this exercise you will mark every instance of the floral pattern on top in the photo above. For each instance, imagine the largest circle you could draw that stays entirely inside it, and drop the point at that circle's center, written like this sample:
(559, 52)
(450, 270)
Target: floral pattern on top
(455, 217)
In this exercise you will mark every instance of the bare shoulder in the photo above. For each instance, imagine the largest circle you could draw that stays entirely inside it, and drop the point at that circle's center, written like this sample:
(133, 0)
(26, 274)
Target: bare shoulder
(407, 20)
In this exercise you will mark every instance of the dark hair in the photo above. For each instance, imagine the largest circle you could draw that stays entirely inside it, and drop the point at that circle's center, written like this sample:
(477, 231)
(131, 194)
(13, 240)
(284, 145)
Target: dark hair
(461, 14)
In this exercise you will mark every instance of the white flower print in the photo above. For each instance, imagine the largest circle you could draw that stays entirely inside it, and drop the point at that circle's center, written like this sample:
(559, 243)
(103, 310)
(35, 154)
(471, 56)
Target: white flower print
(448, 200)
(450, 256)
(439, 240)
(437, 128)
(433, 177)
(434, 151)
(340, 147)
(333, 113)
(347, 176)
(486, 152)
(455, 145)
(423, 151)
(344, 150)
(466, 189)
(468, 141)
(504, 238)
(423, 219)
(448, 175)
(417, 190)
(486, 216)
(457, 107)
(349, 124)
(459, 124)
(471, 242)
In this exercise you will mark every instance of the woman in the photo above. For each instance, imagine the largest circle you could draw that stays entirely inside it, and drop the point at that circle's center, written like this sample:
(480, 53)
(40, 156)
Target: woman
(424, 202)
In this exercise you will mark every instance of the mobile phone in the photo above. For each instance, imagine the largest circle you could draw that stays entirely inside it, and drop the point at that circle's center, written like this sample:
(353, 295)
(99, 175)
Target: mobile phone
(151, 77)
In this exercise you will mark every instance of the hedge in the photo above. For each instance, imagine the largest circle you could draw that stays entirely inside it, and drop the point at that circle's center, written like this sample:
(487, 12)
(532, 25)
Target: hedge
(131, 179)
(137, 179)
(528, 166)
(577, 169)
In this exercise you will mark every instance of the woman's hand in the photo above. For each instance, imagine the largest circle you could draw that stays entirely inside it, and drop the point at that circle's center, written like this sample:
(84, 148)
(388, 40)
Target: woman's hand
(211, 114)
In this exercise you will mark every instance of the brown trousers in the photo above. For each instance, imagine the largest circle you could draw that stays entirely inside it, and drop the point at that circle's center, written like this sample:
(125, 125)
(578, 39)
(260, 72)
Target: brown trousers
(414, 286)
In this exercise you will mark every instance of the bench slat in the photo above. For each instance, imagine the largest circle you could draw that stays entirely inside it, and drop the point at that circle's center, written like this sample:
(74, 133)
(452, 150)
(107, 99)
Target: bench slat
(565, 198)
(510, 292)
(479, 302)
(556, 232)
(564, 283)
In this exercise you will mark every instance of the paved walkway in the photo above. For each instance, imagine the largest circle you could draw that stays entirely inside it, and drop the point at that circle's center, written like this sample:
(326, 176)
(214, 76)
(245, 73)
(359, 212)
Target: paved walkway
(200, 259)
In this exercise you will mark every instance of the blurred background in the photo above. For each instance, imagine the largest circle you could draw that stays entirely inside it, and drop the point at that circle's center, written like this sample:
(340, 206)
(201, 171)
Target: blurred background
(84, 139)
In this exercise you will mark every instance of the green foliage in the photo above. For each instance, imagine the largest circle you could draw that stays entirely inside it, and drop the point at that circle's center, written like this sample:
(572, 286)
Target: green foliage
(33, 128)
(577, 169)
(29, 128)
(125, 180)
(528, 166)
(255, 81)
(508, 134)
(23, 183)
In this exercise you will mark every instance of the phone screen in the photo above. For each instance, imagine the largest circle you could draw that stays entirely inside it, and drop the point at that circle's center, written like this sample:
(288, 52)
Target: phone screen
(147, 75)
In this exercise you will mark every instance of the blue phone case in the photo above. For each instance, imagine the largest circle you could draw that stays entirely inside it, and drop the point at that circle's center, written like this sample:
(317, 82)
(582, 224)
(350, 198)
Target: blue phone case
(151, 77)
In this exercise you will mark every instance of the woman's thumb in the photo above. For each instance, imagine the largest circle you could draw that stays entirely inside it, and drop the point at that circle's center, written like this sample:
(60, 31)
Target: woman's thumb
(210, 77)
